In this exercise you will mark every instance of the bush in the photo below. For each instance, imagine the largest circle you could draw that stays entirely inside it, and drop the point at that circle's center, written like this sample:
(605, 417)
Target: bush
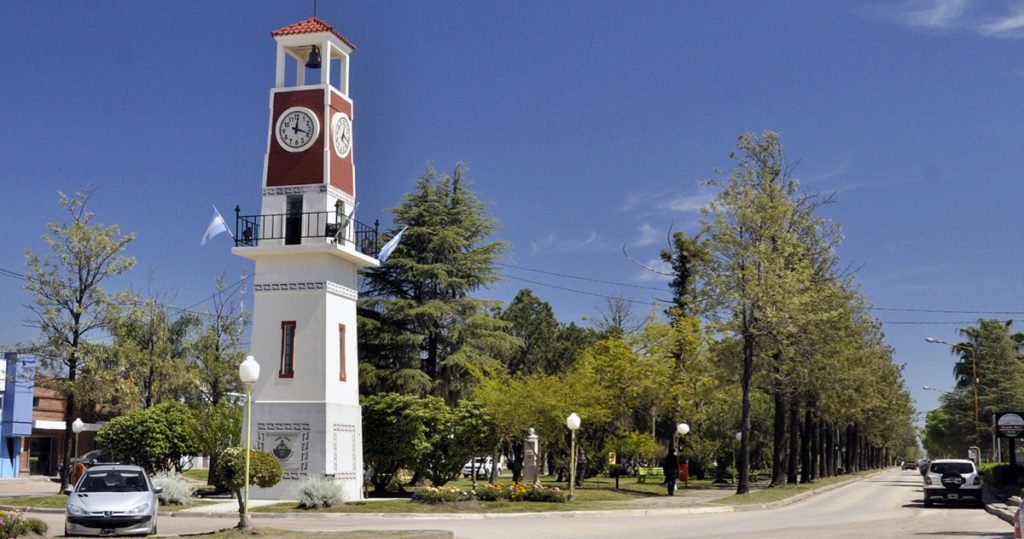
(177, 489)
(545, 494)
(265, 470)
(317, 492)
(13, 524)
(998, 475)
(520, 492)
(155, 438)
(441, 495)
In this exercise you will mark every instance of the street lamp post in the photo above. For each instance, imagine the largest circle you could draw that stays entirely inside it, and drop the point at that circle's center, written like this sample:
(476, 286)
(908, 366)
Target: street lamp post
(573, 422)
(249, 372)
(77, 426)
(683, 429)
(974, 382)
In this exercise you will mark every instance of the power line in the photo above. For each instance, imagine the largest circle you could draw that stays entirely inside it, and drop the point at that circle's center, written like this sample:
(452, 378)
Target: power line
(943, 311)
(567, 276)
(575, 291)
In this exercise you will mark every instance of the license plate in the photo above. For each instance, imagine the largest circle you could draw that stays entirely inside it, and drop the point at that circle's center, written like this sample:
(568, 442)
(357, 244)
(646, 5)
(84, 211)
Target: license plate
(953, 496)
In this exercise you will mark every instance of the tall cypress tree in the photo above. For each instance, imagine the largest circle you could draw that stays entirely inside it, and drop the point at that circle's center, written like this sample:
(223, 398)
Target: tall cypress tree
(421, 331)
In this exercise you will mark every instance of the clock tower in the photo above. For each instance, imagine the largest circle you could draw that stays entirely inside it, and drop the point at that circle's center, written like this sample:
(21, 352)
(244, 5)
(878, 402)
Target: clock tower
(308, 249)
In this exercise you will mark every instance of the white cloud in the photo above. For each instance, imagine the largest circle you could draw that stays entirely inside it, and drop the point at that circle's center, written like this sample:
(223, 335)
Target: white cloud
(688, 203)
(936, 13)
(553, 243)
(971, 15)
(838, 169)
(647, 235)
(1008, 26)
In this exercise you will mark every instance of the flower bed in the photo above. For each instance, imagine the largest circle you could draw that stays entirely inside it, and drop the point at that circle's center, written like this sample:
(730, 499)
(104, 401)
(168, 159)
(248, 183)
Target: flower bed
(491, 492)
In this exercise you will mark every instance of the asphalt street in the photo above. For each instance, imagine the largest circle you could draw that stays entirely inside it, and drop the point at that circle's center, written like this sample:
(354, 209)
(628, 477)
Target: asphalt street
(887, 505)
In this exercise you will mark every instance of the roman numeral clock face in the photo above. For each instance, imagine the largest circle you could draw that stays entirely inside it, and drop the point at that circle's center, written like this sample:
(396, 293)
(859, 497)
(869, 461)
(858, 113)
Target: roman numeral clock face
(297, 129)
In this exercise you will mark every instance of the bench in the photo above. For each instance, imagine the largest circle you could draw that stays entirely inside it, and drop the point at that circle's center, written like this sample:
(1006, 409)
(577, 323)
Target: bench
(654, 471)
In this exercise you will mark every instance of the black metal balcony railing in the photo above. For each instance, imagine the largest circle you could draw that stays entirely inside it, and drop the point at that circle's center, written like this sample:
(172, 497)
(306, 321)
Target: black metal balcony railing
(296, 228)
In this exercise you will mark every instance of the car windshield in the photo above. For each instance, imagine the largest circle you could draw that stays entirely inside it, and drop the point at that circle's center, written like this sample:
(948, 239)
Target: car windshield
(113, 481)
(952, 467)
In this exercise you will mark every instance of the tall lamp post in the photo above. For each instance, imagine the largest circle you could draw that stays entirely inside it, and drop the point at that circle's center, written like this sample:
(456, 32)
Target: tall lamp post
(683, 429)
(249, 372)
(974, 381)
(573, 422)
(77, 426)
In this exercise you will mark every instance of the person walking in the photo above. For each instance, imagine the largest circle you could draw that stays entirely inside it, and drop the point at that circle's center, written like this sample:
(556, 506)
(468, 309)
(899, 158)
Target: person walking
(670, 465)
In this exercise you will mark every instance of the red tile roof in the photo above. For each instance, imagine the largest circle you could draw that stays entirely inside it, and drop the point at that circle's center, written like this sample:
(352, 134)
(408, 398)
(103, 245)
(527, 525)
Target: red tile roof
(310, 26)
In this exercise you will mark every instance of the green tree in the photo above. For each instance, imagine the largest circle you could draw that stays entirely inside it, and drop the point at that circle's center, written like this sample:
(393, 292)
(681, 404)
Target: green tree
(151, 346)
(155, 438)
(216, 427)
(420, 329)
(760, 273)
(216, 352)
(533, 322)
(453, 436)
(69, 304)
(394, 435)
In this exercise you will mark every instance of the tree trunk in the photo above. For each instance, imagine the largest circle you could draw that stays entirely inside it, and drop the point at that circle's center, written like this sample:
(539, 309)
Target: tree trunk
(805, 447)
(779, 442)
(743, 482)
(794, 440)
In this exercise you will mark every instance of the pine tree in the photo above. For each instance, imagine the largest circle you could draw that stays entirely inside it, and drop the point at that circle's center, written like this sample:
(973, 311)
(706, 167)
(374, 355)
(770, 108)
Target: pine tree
(421, 331)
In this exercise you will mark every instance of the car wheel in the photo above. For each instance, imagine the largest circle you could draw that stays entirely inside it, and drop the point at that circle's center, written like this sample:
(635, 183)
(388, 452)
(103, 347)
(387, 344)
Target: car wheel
(928, 502)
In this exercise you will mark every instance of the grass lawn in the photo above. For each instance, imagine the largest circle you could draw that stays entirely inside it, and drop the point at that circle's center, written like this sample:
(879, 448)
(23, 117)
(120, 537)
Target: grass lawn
(597, 493)
(59, 501)
(197, 474)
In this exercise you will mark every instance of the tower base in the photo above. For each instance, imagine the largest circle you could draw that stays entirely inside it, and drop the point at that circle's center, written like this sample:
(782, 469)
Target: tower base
(310, 440)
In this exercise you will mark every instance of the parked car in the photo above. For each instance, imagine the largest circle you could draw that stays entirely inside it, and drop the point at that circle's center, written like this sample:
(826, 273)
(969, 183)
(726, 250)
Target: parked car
(483, 467)
(909, 465)
(952, 480)
(112, 499)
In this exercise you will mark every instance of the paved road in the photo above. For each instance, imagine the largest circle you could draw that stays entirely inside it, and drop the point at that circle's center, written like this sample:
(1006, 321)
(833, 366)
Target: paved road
(883, 506)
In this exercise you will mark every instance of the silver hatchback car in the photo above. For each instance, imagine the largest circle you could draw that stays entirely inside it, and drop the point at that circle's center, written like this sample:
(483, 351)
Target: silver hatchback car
(112, 499)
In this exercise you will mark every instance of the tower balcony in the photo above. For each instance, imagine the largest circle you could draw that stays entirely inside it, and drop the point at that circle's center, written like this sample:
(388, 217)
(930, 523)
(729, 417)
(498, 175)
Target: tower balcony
(305, 228)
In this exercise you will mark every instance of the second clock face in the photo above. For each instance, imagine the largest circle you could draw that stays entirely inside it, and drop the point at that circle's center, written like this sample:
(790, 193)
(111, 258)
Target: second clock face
(341, 134)
(297, 129)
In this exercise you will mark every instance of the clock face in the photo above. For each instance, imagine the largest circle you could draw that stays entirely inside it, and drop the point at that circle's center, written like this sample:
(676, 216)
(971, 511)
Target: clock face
(341, 134)
(297, 129)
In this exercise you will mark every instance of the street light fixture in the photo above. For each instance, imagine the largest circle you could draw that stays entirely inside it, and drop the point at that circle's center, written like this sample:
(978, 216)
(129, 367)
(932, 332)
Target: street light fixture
(249, 372)
(573, 422)
(974, 369)
(77, 426)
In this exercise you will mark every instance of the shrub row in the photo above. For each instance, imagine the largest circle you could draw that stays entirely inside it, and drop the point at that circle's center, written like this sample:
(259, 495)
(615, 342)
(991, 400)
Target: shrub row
(489, 493)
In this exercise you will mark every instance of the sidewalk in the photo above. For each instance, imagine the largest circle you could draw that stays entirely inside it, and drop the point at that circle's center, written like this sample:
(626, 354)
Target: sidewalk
(33, 485)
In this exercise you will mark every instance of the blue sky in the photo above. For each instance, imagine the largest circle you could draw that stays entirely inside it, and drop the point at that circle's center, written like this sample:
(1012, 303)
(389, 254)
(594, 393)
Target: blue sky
(586, 124)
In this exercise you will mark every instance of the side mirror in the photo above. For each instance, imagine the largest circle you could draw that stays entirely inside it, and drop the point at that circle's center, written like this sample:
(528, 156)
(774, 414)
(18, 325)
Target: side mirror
(158, 490)
(68, 490)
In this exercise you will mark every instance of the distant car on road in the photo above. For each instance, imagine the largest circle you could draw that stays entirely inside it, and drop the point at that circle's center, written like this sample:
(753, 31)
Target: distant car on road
(952, 480)
(909, 465)
(483, 467)
(112, 499)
